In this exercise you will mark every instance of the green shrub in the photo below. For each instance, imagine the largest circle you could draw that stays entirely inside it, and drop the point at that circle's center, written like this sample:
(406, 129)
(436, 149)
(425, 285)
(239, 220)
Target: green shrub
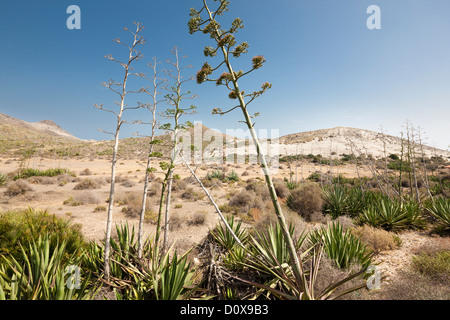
(3, 179)
(25, 226)
(434, 265)
(29, 172)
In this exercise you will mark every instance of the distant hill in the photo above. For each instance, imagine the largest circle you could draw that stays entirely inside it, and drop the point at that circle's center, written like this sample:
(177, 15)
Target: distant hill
(13, 129)
(346, 140)
(49, 139)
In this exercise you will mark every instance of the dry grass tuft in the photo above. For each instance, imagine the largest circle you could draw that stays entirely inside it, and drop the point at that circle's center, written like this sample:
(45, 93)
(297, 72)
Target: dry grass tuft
(376, 239)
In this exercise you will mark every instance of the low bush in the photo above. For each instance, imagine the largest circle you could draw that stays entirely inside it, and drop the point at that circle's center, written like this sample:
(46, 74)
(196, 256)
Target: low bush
(87, 184)
(26, 173)
(281, 189)
(434, 265)
(24, 226)
(246, 200)
(198, 218)
(87, 197)
(86, 172)
(306, 200)
(15, 188)
(375, 239)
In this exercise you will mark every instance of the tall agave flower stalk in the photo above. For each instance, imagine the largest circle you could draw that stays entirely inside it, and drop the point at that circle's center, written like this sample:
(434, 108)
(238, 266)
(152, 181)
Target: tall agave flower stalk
(120, 88)
(157, 83)
(225, 44)
(175, 97)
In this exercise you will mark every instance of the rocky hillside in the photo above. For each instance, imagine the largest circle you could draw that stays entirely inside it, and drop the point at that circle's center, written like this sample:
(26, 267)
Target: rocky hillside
(341, 140)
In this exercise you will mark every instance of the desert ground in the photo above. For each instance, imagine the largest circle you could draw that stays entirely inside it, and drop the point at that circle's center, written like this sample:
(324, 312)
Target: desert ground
(60, 199)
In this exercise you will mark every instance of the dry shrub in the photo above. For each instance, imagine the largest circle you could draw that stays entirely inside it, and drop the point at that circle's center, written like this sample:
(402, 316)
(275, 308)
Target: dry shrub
(192, 195)
(151, 177)
(65, 178)
(329, 273)
(376, 239)
(175, 222)
(87, 197)
(127, 183)
(410, 285)
(87, 184)
(154, 189)
(245, 173)
(42, 180)
(258, 187)
(198, 218)
(345, 221)
(306, 200)
(246, 200)
(132, 202)
(85, 172)
(281, 189)
(433, 260)
(17, 187)
(179, 185)
(211, 183)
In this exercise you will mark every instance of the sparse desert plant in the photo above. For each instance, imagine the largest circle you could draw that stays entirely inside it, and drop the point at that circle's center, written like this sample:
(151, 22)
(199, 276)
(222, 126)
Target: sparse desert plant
(258, 187)
(15, 188)
(87, 184)
(434, 265)
(3, 179)
(232, 176)
(198, 218)
(176, 221)
(190, 194)
(86, 197)
(306, 200)
(71, 202)
(86, 172)
(100, 208)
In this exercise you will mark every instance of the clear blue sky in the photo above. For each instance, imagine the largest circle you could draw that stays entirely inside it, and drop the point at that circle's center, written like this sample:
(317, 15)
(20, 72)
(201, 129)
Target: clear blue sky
(327, 68)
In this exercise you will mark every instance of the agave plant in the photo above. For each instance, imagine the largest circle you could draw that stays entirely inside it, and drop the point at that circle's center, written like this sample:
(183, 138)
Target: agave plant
(290, 285)
(439, 208)
(224, 237)
(42, 276)
(341, 246)
(392, 215)
(335, 201)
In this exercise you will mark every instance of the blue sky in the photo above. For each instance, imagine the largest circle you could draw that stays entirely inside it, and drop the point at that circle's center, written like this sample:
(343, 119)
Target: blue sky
(327, 68)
